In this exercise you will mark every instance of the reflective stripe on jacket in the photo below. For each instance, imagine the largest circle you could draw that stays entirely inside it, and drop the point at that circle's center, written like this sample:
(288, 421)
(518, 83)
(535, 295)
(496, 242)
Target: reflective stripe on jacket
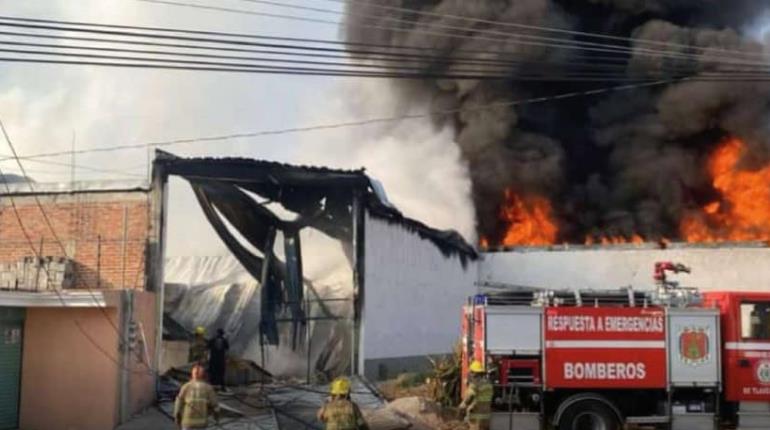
(480, 408)
(342, 414)
(195, 402)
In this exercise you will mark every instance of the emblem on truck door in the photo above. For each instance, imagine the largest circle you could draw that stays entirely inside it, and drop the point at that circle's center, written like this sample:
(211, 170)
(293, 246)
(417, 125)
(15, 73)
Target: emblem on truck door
(694, 346)
(763, 372)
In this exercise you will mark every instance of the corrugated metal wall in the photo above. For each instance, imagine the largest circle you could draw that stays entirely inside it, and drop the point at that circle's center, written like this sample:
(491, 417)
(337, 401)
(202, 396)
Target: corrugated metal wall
(413, 294)
(11, 337)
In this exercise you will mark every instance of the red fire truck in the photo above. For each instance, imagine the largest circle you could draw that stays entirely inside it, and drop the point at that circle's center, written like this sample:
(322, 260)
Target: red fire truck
(669, 358)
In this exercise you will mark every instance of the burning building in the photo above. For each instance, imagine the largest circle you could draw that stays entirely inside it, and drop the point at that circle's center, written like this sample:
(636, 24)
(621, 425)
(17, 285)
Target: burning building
(617, 121)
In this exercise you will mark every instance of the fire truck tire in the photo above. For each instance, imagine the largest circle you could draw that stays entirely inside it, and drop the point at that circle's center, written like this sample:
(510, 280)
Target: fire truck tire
(589, 415)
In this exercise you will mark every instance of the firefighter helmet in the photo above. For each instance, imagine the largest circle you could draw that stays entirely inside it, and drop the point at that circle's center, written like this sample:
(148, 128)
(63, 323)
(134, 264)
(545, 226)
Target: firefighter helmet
(200, 330)
(477, 367)
(340, 387)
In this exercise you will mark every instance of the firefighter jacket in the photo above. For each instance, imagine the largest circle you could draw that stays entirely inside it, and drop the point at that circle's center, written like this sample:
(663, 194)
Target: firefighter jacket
(478, 400)
(198, 350)
(342, 414)
(195, 402)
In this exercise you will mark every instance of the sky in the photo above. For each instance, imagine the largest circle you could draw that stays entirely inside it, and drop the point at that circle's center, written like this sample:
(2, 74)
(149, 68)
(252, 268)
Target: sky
(46, 108)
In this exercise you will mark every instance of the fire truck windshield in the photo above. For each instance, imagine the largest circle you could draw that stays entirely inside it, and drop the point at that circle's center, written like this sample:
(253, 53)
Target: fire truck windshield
(755, 321)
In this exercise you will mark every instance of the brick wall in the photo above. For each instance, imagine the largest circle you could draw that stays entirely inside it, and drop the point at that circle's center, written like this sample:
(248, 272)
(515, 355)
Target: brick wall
(104, 234)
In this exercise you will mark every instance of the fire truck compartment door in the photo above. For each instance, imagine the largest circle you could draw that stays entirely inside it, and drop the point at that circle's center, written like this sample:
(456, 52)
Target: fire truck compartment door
(747, 351)
(693, 347)
(514, 329)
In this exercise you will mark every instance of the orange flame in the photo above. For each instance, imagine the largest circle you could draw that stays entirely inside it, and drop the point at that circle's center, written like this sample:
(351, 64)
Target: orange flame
(483, 242)
(613, 240)
(743, 211)
(529, 220)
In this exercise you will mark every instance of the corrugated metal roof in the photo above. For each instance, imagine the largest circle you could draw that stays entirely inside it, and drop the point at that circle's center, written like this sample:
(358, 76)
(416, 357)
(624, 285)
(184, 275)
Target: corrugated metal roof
(251, 171)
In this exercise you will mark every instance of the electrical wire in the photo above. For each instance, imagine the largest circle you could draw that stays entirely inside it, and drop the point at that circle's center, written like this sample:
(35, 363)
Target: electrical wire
(486, 68)
(582, 71)
(67, 26)
(571, 45)
(370, 121)
(484, 31)
(395, 72)
(62, 26)
(336, 53)
(537, 28)
(4, 157)
(154, 64)
(213, 66)
(360, 55)
(419, 54)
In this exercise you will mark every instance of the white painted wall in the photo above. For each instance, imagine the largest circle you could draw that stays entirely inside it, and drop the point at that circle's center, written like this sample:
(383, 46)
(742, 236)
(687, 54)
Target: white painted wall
(413, 294)
(712, 268)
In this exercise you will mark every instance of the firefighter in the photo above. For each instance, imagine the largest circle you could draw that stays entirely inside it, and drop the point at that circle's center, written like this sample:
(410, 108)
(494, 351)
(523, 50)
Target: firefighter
(218, 347)
(477, 403)
(199, 346)
(339, 412)
(196, 402)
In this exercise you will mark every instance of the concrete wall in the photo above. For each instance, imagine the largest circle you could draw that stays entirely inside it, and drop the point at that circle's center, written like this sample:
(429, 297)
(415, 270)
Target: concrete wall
(105, 233)
(413, 297)
(67, 382)
(719, 268)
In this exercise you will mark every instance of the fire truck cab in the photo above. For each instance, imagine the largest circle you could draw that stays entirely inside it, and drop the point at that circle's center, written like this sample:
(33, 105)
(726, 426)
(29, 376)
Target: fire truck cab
(669, 358)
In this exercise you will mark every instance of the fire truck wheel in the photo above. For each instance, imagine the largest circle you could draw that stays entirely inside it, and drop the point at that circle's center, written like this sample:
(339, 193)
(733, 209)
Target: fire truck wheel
(589, 415)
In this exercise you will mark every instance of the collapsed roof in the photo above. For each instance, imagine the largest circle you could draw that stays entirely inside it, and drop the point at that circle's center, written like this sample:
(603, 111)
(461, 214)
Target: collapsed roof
(236, 194)
(305, 189)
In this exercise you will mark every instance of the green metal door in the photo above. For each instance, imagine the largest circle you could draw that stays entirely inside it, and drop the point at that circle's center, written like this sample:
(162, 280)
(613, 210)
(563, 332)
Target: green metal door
(11, 332)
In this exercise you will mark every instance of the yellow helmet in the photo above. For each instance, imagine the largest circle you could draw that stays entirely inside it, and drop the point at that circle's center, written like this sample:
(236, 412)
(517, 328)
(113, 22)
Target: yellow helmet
(340, 387)
(477, 367)
(200, 330)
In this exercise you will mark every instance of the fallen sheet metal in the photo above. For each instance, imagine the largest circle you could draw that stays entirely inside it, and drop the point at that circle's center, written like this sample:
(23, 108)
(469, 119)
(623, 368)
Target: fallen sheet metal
(234, 418)
(296, 405)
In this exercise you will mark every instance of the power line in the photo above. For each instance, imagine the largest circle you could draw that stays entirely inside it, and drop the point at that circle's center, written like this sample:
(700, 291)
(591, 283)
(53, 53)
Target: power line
(399, 73)
(67, 26)
(545, 29)
(337, 53)
(485, 31)
(225, 57)
(156, 64)
(417, 72)
(416, 52)
(5, 157)
(120, 62)
(572, 45)
(229, 57)
(598, 64)
(370, 121)
(537, 67)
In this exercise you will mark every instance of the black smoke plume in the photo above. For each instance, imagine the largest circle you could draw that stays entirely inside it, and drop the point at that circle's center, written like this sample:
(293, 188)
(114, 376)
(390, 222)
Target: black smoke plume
(616, 163)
